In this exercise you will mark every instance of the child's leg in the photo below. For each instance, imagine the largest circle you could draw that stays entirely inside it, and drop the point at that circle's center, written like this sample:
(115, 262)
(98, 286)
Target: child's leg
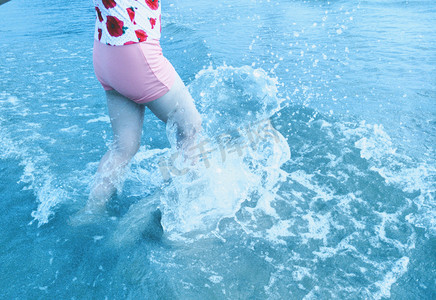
(178, 106)
(126, 118)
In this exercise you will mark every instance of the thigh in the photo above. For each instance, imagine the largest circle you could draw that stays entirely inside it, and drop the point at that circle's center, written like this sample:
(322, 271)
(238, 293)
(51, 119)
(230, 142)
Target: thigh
(127, 118)
(177, 101)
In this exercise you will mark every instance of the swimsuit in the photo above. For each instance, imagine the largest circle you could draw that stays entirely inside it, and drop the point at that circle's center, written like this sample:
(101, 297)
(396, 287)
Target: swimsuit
(127, 55)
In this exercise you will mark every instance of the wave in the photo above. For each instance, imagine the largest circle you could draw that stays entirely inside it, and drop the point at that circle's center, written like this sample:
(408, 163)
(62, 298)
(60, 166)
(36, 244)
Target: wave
(338, 217)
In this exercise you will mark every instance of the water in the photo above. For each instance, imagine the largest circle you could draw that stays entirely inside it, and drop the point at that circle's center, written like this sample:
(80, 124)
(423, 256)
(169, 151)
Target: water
(336, 202)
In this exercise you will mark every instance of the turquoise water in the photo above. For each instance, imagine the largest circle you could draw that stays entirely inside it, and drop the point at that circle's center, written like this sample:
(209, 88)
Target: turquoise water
(336, 202)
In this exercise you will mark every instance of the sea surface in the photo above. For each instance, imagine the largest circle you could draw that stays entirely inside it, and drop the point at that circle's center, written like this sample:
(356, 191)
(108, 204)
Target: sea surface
(317, 173)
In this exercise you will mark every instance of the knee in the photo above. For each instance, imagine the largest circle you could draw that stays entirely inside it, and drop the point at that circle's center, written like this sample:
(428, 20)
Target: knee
(126, 149)
(190, 126)
(195, 121)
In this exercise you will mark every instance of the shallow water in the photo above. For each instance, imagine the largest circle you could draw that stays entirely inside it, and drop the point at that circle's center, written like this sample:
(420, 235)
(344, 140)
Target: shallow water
(336, 202)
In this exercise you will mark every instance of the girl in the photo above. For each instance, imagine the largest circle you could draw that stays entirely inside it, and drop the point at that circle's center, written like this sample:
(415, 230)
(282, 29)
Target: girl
(129, 64)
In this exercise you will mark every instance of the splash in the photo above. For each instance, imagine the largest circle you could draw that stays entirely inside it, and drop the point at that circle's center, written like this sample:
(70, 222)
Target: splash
(37, 174)
(240, 152)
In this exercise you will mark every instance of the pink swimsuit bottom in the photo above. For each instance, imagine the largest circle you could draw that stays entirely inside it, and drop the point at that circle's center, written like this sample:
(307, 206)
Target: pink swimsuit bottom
(137, 71)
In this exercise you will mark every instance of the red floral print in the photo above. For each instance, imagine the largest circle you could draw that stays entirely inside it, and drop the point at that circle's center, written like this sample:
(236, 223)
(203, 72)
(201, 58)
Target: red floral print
(100, 17)
(131, 12)
(115, 26)
(120, 22)
(153, 4)
(109, 3)
(141, 35)
(152, 22)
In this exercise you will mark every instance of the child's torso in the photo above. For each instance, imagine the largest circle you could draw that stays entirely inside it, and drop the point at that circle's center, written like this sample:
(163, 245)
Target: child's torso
(123, 22)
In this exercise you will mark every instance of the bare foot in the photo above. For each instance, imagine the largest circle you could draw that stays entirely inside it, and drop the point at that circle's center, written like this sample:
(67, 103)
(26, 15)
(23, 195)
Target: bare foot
(143, 220)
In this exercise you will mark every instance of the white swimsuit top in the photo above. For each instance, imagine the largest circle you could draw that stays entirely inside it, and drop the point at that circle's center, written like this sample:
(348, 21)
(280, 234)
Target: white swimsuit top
(124, 22)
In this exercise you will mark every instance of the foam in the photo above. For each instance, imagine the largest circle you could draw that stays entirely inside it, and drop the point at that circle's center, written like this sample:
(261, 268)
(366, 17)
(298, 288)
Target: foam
(99, 119)
(397, 169)
(398, 270)
(318, 226)
(37, 173)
